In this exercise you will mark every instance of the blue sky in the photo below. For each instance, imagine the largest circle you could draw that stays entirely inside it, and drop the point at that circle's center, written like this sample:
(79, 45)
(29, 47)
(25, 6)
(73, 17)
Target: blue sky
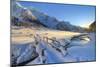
(75, 14)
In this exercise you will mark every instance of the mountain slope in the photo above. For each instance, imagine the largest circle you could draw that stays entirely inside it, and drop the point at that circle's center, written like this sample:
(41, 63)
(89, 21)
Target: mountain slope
(31, 15)
(92, 26)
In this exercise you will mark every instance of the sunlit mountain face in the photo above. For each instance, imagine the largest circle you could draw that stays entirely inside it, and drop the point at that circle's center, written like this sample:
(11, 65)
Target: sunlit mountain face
(76, 14)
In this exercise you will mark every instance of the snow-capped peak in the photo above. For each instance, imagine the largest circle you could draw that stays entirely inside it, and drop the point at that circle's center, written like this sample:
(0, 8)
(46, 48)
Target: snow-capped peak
(29, 15)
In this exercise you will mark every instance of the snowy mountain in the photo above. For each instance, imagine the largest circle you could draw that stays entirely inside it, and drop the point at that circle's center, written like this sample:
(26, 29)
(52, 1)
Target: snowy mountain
(27, 15)
(21, 14)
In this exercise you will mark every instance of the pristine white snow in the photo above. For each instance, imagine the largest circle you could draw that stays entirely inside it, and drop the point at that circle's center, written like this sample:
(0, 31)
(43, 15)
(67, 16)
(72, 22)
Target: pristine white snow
(78, 52)
(54, 46)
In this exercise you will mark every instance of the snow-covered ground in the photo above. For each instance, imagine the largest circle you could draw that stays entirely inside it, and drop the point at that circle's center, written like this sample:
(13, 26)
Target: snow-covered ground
(51, 46)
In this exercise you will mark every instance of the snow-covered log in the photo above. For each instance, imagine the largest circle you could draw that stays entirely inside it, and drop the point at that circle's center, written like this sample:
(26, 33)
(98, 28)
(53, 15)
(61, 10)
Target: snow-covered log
(23, 54)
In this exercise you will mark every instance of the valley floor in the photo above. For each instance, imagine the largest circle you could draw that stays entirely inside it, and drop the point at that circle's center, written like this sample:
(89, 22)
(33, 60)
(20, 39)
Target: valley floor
(51, 46)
